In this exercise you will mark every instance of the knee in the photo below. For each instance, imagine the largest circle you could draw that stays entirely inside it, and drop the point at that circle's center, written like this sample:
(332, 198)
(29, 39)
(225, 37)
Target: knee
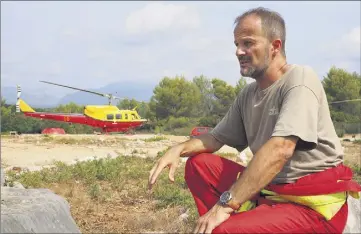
(197, 159)
(219, 229)
(195, 163)
(227, 227)
(222, 228)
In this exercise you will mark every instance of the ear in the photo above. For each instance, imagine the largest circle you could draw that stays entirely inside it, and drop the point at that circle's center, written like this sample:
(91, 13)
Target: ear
(277, 46)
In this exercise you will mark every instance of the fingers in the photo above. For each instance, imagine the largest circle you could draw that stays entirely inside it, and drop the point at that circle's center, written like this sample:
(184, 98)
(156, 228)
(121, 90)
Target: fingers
(197, 228)
(151, 173)
(209, 229)
(157, 169)
(172, 172)
(204, 227)
(201, 225)
(166, 160)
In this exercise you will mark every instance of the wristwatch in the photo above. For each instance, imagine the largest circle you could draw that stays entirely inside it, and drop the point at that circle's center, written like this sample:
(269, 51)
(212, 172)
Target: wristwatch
(226, 199)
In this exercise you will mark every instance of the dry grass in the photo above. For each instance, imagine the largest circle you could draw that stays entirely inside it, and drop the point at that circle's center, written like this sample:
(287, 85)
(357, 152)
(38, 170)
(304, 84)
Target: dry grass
(111, 195)
(352, 153)
(155, 138)
(119, 212)
(71, 140)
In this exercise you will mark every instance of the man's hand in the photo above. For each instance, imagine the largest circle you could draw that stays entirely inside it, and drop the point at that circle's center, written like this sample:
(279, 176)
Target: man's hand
(171, 159)
(212, 219)
(204, 143)
(269, 159)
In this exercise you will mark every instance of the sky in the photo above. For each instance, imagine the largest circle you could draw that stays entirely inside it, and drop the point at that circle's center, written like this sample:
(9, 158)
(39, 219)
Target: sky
(92, 44)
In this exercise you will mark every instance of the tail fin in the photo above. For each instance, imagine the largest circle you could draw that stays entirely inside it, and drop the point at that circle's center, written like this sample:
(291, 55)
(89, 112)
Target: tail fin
(25, 107)
(20, 104)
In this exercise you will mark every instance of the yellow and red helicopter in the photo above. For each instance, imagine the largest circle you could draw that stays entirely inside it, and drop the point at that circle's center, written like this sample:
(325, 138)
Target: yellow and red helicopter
(106, 117)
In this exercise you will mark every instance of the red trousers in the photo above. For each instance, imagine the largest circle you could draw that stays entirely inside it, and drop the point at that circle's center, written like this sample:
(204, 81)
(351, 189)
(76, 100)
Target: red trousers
(208, 176)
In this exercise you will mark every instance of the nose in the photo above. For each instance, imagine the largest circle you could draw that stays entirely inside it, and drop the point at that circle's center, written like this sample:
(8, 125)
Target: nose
(240, 51)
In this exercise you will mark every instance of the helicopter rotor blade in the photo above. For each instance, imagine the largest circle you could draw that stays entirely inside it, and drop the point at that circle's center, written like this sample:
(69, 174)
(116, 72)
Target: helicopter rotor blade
(352, 100)
(118, 98)
(84, 90)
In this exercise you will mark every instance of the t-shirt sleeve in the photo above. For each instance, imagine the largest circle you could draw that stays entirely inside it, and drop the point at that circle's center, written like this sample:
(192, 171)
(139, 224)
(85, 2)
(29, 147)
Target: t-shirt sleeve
(230, 130)
(299, 116)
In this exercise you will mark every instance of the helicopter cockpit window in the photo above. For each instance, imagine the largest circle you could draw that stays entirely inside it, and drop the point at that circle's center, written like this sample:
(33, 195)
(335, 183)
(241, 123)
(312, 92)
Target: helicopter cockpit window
(110, 116)
(118, 116)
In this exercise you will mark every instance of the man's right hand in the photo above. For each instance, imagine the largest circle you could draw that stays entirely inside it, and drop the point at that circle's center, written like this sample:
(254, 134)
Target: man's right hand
(171, 159)
(204, 143)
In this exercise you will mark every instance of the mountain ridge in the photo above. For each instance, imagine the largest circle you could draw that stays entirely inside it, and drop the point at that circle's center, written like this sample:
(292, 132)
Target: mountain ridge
(140, 91)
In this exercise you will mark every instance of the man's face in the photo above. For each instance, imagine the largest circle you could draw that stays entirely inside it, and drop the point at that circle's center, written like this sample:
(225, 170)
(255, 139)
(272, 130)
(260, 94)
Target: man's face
(253, 48)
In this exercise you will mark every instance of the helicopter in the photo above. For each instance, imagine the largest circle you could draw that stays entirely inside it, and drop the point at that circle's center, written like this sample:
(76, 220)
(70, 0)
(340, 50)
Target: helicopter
(106, 117)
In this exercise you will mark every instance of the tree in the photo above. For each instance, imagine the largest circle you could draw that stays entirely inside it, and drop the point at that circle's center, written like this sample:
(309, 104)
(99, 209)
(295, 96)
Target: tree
(5, 116)
(141, 107)
(224, 95)
(240, 85)
(175, 97)
(127, 103)
(206, 91)
(69, 108)
(341, 85)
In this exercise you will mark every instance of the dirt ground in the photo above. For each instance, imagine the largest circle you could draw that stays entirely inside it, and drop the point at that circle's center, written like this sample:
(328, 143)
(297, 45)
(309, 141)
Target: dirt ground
(36, 151)
(131, 210)
(352, 153)
(125, 211)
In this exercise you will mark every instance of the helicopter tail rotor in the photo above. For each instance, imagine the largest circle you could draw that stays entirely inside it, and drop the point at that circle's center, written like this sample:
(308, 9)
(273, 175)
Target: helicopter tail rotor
(18, 89)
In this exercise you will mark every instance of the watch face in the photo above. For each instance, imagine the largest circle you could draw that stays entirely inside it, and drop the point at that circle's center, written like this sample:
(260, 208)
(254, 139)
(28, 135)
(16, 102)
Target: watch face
(225, 197)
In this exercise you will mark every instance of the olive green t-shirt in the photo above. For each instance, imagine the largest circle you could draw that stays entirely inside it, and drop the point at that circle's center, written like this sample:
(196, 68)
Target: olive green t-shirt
(294, 105)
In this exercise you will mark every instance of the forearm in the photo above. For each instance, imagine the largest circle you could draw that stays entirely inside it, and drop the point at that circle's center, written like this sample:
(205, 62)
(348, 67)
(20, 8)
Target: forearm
(266, 164)
(205, 143)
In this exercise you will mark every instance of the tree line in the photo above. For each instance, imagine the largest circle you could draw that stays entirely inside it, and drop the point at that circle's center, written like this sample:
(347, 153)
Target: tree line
(178, 104)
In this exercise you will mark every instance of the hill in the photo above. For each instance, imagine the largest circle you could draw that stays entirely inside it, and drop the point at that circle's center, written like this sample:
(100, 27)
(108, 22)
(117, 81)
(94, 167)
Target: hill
(34, 99)
(139, 91)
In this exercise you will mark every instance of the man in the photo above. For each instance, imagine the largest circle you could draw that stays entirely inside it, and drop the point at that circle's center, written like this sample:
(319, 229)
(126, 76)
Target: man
(284, 118)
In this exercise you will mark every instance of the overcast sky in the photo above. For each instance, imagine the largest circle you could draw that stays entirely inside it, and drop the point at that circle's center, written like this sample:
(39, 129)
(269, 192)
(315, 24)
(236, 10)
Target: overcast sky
(92, 44)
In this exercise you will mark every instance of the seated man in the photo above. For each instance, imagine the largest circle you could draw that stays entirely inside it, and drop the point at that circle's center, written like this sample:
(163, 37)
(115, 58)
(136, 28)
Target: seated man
(296, 180)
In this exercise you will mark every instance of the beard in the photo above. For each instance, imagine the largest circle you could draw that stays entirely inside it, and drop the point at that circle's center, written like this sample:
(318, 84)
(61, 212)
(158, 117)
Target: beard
(255, 72)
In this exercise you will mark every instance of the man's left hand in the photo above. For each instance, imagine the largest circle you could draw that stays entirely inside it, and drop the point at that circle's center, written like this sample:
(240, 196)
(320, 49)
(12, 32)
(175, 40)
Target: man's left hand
(212, 219)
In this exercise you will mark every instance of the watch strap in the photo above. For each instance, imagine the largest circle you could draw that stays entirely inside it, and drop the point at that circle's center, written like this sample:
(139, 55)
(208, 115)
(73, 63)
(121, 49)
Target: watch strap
(234, 205)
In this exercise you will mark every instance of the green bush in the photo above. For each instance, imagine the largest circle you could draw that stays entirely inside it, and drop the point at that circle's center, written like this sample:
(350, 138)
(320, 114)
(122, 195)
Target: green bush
(173, 123)
(343, 128)
(208, 121)
(352, 128)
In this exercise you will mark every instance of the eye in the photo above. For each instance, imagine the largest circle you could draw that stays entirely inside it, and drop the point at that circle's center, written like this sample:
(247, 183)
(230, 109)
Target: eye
(247, 43)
